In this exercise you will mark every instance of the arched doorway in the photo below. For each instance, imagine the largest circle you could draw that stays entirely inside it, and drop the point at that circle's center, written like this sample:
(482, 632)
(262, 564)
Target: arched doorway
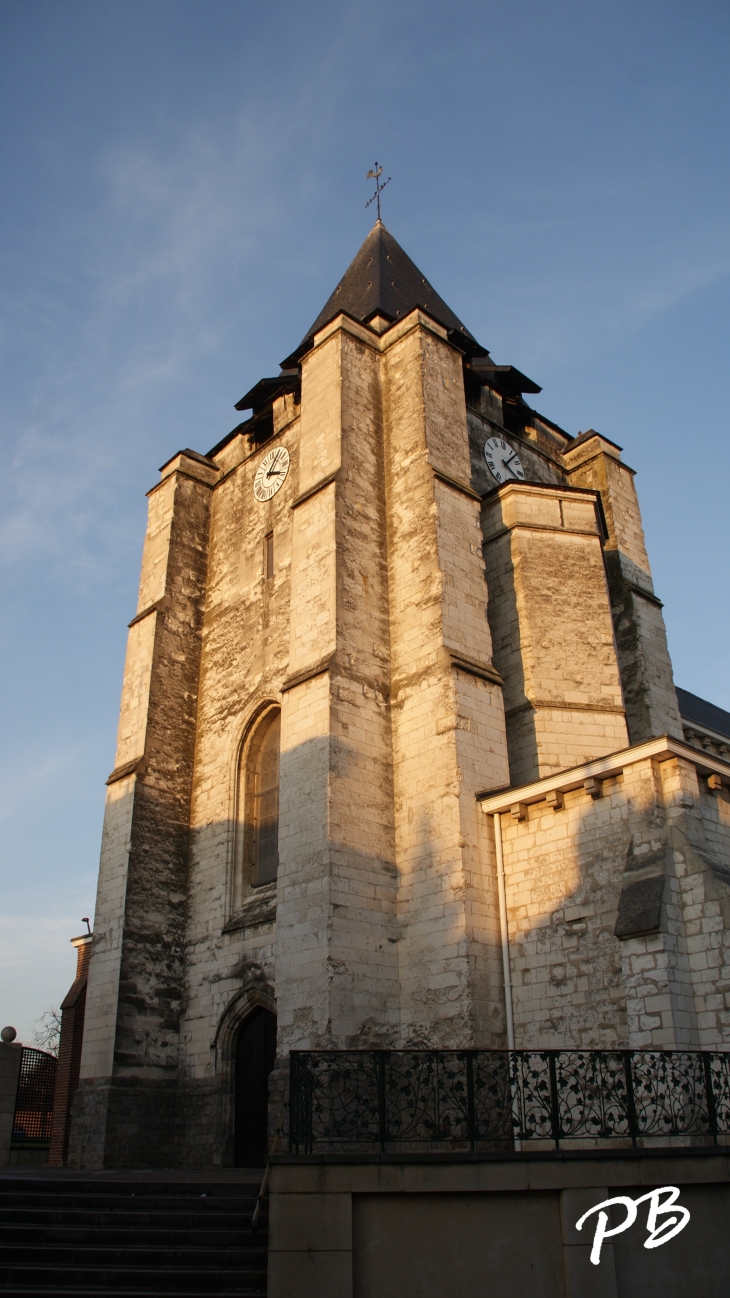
(255, 1055)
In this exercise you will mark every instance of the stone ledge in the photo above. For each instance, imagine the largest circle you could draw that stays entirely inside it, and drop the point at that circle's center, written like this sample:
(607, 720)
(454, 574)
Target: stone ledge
(312, 491)
(456, 484)
(135, 767)
(308, 673)
(457, 1157)
(645, 594)
(602, 768)
(258, 909)
(474, 668)
(159, 606)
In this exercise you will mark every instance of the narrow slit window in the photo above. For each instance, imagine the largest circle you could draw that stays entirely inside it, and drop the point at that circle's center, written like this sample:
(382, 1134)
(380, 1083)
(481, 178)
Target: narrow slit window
(269, 555)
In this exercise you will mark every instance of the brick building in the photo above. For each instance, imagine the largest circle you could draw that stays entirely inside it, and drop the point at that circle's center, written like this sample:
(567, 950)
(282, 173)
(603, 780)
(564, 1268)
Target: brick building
(400, 758)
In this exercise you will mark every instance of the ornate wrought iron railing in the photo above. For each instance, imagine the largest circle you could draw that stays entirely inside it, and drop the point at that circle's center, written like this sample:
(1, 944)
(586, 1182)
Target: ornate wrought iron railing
(493, 1099)
(34, 1099)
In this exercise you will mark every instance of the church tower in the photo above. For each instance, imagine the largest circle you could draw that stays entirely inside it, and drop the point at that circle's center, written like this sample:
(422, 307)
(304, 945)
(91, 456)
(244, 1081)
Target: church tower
(390, 593)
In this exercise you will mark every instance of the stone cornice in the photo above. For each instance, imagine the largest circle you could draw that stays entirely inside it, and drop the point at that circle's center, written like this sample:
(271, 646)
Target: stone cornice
(135, 767)
(602, 768)
(312, 491)
(308, 673)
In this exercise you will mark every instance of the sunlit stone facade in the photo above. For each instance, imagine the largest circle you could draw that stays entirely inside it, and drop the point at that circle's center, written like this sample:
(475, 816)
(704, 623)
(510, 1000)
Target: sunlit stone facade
(443, 658)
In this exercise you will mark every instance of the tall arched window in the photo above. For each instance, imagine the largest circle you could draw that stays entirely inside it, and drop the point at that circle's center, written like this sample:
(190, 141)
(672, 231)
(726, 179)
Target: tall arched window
(257, 848)
(265, 802)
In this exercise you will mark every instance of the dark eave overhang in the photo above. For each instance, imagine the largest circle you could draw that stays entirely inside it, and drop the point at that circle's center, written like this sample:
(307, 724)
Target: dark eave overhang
(265, 392)
(260, 400)
(239, 429)
(504, 378)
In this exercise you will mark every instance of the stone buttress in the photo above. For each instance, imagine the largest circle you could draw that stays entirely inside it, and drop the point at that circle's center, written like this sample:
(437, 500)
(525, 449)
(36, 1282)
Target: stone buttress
(124, 1105)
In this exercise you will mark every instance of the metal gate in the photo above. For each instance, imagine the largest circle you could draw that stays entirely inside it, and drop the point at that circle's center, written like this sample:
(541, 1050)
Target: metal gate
(34, 1099)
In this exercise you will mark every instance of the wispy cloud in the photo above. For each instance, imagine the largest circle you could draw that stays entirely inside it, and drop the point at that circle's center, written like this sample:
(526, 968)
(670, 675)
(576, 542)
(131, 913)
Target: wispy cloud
(168, 234)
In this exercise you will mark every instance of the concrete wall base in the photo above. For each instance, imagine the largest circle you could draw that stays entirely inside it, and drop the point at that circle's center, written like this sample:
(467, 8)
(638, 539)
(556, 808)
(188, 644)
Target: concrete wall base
(502, 1227)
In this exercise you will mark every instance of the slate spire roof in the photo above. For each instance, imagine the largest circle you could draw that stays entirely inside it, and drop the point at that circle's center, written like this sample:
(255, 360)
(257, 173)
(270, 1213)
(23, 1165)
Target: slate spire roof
(382, 280)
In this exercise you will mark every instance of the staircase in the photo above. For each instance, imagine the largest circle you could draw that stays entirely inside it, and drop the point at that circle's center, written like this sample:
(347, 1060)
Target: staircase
(130, 1233)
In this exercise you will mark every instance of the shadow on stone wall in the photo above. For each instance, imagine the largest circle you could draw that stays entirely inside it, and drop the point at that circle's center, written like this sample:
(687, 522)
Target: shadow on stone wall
(618, 894)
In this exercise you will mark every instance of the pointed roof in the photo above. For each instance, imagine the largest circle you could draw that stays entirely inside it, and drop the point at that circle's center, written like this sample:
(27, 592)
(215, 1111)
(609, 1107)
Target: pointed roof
(382, 280)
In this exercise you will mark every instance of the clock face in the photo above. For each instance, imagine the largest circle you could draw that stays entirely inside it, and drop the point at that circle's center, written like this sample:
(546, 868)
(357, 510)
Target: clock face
(271, 473)
(504, 463)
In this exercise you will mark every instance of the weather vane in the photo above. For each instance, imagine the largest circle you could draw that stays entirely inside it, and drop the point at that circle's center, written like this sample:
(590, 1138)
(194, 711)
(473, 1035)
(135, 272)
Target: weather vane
(375, 175)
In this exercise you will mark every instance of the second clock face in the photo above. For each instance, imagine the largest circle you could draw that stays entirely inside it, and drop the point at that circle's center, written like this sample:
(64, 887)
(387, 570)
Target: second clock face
(503, 462)
(271, 473)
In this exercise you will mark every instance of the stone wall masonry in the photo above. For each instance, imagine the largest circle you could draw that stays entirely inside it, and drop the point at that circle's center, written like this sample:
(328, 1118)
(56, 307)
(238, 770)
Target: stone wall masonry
(699, 910)
(552, 629)
(132, 729)
(102, 993)
(437, 598)
(244, 661)
(656, 970)
(539, 464)
(151, 980)
(617, 903)
(465, 629)
(641, 638)
(374, 636)
(136, 975)
(321, 406)
(480, 743)
(563, 874)
(364, 970)
(335, 935)
(337, 974)
(313, 633)
(597, 463)
(707, 919)
(302, 887)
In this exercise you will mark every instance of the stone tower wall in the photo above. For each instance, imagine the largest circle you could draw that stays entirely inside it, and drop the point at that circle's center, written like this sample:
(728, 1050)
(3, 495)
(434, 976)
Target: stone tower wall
(553, 633)
(336, 949)
(448, 724)
(641, 638)
(136, 977)
(404, 614)
(618, 905)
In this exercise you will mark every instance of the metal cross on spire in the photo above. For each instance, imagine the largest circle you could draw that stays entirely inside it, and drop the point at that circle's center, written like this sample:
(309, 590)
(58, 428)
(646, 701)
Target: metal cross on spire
(375, 175)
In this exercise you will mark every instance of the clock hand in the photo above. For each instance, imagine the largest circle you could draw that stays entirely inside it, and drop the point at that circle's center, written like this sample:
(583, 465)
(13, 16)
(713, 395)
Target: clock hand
(273, 466)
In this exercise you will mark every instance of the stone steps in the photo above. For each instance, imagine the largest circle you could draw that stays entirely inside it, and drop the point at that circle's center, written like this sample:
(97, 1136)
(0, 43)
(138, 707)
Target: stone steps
(63, 1235)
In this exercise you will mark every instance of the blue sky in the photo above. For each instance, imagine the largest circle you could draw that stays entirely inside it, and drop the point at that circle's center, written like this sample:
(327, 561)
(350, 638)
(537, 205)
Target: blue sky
(184, 184)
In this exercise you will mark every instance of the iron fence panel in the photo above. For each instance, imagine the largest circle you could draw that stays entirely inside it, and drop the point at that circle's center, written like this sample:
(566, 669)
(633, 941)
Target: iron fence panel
(592, 1094)
(497, 1098)
(34, 1098)
(670, 1093)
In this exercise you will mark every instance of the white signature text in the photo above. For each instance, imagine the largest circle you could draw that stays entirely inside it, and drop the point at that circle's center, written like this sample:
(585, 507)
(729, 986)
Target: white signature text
(673, 1218)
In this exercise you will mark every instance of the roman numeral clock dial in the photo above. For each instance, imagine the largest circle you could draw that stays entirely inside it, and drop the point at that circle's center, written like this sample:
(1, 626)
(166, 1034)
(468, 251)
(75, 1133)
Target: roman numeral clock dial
(504, 463)
(271, 473)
